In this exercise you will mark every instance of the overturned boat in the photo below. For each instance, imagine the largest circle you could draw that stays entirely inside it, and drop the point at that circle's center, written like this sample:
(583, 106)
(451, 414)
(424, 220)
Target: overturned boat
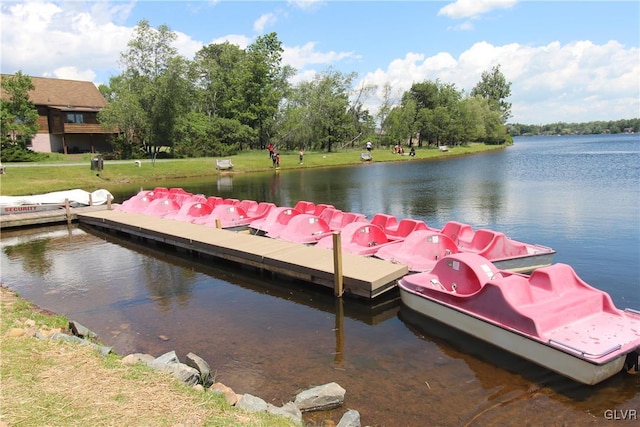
(552, 317)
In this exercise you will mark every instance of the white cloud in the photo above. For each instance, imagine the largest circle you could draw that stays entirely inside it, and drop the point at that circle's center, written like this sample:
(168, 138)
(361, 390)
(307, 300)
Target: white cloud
(71, 73)
(263, 21)
(53, 39)
(307, 4)
(300, 56)
(473, 8)
(576, 82)
(239, 40)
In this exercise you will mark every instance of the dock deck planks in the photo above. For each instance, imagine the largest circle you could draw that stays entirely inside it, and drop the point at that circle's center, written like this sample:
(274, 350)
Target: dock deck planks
(55, 216)
(362, 276)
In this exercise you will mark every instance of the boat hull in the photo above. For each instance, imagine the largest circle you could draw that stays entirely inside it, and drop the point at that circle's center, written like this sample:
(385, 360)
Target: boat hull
(524, 264)
(542, 354)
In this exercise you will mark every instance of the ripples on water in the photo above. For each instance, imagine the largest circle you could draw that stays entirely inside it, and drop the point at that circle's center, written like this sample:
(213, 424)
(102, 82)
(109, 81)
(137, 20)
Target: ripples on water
(579, 195)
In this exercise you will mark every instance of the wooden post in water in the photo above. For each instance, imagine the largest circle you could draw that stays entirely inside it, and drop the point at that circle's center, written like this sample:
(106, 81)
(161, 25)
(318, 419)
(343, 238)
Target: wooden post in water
(218, 223)
(109, 202)
(337, 265)
(90, 199)
(339, 328)
(68, 210)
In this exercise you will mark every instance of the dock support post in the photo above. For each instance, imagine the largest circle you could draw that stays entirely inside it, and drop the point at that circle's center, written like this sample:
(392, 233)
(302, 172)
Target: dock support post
(218, 223)
(337, 265)
(339, 329)
(109, 202)
(68, 210)
(90, 200)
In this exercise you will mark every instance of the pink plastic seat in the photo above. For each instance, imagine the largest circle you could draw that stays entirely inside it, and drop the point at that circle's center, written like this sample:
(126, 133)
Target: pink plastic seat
(494, 245)
(385, 221)
(405, 227)
(276, 218)
(420, 250)
(161, 207)
(460, 233)
(214, 201)
(249, 206)
(303, 228)
(327, 213)
(305, 207)
(190, 211)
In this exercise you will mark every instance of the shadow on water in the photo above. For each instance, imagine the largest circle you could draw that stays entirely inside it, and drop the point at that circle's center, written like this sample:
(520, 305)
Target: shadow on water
(478, 354)
(299, 292)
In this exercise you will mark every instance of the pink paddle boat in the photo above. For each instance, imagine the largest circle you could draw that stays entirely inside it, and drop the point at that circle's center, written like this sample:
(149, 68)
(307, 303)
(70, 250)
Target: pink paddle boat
(505, 253)
(552, 318)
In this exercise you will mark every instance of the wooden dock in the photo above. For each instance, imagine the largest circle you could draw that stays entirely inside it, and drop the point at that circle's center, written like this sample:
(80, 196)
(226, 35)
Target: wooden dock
(55, 216)
(361, 276)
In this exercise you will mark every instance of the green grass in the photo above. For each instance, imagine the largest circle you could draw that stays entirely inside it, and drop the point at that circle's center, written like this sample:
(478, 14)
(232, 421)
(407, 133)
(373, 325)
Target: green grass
(54, 383)
(48, 177)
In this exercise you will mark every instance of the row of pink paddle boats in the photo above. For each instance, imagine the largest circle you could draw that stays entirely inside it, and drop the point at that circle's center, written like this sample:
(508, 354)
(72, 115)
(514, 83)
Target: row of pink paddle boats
(406, 241)
(469, 279)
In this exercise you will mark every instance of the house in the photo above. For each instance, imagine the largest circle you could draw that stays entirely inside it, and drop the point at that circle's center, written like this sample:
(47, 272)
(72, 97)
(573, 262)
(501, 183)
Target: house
(67, 116)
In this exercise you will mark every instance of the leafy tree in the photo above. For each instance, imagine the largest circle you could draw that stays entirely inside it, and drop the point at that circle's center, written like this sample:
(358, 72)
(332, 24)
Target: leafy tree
(152, 92)
(217, 75)
(18, 117)
(494, 87)
(264, 85)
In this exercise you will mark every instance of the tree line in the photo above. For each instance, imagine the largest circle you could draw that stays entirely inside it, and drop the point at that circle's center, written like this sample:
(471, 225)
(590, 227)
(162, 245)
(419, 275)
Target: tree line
(561, 128)
(228, 99)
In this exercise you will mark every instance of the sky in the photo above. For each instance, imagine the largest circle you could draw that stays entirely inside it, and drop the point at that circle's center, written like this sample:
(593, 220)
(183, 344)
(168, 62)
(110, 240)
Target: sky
(567, 61)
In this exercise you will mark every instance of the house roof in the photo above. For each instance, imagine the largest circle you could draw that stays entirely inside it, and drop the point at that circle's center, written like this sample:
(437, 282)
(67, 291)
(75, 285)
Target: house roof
(59, 93)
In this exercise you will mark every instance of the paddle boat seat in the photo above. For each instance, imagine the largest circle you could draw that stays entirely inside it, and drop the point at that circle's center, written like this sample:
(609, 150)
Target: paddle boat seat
(459, 232)
(385, 221)
(327, 213)
(321, 207)
(161, 207)
(463, 274)
(405, 227)
(494, 245)
(305, 207)
(190, 210)
(214, 201)
(136, 204)
(276, 219)
(303, 228)
(366, 240)
(550, 298)
(248, 205)
(420, 250)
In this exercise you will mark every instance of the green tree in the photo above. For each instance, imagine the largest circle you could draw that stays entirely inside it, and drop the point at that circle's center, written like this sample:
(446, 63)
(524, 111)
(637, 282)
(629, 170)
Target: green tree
(18, 116)
(152, 92)
(494, 87)
(264, 86)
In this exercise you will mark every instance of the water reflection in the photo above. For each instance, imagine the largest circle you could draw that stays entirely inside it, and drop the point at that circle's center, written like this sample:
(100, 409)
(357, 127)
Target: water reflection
(518, 378)
(274, 337)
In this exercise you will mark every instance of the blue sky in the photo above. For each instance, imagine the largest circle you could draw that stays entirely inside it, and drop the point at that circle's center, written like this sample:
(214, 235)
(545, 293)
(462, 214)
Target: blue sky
(567, 61)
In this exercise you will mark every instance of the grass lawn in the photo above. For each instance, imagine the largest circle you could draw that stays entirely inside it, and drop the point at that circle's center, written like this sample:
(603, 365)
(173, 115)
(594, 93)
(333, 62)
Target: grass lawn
(74, 171)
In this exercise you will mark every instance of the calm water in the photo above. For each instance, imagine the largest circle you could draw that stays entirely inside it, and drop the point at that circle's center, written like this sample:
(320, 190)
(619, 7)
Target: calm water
(579, 195)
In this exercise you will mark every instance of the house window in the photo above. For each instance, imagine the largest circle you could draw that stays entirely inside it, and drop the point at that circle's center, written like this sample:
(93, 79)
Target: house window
(75, 118)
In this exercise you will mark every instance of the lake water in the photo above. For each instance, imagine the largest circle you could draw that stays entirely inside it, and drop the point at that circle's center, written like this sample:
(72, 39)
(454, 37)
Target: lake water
(577, 194)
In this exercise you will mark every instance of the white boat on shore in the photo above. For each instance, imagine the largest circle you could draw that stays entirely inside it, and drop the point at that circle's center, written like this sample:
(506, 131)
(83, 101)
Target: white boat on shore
(10, 205)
